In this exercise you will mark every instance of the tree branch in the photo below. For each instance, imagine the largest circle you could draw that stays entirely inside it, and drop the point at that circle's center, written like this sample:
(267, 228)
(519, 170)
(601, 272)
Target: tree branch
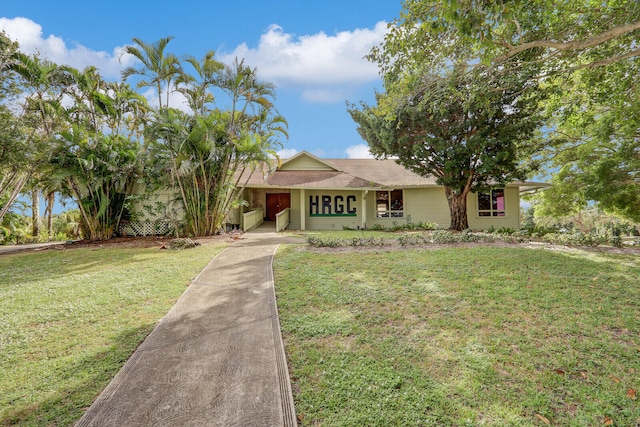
(607, 61)
(574, 45)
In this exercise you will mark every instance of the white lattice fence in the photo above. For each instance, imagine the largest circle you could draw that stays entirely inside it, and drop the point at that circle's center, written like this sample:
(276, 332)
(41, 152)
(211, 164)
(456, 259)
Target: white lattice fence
(145, 228)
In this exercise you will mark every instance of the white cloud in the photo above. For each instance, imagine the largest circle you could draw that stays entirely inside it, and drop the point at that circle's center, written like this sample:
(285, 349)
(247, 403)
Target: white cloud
(325, 66)
(287, 153)
(360, 151)
(322, 68)
(31, 39)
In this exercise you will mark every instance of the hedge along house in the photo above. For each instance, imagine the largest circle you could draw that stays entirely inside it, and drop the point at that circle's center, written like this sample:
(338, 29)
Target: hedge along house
(309, 193)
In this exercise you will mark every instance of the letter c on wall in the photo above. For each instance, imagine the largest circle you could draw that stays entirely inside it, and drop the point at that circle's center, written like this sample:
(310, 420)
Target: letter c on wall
(351, 210)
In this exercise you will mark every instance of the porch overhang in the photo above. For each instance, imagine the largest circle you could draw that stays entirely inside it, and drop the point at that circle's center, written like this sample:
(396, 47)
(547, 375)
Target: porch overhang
(530, 187)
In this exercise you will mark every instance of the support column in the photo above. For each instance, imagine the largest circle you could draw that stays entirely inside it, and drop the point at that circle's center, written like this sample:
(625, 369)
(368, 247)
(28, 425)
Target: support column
(303, 209)
(363, 209)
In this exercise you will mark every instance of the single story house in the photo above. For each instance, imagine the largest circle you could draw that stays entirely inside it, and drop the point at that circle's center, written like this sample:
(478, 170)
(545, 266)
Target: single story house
(309, 193)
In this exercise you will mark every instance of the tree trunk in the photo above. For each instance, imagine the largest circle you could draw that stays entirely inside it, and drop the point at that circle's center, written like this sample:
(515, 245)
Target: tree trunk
(457, 208)
(49, 213)
(35, 212)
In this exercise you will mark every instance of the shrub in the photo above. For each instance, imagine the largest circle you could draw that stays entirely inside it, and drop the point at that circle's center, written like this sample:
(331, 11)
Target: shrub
(506, 230)
(582, 239)
(367, 241)
(443, 236)
(319, 242)
(412, 239)
(468, 236)
(426, 225)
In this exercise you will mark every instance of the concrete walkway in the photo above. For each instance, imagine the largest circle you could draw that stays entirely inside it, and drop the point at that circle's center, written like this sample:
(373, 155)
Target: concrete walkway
(10, 249)
(217, 357)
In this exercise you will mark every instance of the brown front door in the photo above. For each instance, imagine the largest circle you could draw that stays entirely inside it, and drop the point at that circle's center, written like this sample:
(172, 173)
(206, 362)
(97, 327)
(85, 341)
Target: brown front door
(277, 202)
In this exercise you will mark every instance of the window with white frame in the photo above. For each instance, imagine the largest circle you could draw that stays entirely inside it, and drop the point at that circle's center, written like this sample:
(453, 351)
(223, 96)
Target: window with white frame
(491, 203)
(389, 204)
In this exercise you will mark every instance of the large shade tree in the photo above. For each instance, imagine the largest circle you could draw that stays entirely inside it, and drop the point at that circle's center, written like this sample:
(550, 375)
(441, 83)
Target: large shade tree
(568, 34)
(468, 128)
(595, 153)
(588, 54)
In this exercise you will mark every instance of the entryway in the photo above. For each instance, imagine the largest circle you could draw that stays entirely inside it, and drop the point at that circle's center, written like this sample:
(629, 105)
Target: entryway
(277, 202)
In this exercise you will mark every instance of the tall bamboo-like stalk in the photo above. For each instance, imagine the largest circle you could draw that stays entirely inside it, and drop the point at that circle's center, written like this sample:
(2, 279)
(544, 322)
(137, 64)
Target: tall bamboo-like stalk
(207, 151)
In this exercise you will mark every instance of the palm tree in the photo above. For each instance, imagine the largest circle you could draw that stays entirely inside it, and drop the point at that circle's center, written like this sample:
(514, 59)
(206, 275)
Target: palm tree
(14, 160)
(45, 81)
(130, 111)
(91, 103)
(99, 172)
(254, 128)
(205, 153)
(197, 88)
(159, 70)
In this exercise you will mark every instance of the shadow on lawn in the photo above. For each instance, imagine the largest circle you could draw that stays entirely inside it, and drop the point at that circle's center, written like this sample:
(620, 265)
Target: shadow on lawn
(52, 264)
(77, 384)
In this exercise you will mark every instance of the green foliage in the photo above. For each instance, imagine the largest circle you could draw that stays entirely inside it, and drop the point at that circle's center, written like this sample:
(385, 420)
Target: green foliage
(598, 159)
(102, 139)
(319, 242)
(412, 239)
(14, 229)
(158, 70)
(506, 230)
(209, 154)
(367, 241)
(67, 225)
(585, 221)
(455, 126)
(335, 242)
(564, 34)
(15, 153)
(407, 225)
(582, 239)
(99, 172)
(8, 48)
(586, 60)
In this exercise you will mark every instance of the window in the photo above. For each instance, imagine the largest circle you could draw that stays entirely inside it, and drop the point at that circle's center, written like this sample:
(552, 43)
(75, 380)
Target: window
(389, 204)
(492, 203)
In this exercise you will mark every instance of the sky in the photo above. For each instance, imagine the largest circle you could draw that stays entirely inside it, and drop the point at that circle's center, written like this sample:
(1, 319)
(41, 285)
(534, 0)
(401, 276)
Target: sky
(313, 51)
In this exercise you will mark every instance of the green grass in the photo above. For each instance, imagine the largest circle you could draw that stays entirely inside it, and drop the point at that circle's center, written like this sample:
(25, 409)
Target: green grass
(70, 319)
(461, 336)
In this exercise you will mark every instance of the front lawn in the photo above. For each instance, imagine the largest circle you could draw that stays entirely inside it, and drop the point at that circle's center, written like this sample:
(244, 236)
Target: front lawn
(480, 335)
(70, 319)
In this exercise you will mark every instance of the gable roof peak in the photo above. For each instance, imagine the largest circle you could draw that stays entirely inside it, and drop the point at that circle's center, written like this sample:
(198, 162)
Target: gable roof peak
(304, 160)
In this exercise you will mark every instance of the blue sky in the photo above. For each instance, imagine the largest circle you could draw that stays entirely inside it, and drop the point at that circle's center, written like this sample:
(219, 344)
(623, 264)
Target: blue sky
(311, 50)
